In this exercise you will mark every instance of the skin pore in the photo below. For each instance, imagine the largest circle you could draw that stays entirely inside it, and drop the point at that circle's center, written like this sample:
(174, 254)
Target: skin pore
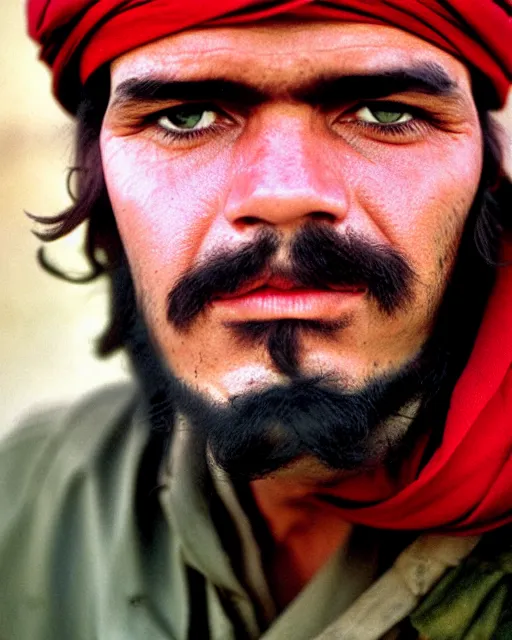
(213, 136)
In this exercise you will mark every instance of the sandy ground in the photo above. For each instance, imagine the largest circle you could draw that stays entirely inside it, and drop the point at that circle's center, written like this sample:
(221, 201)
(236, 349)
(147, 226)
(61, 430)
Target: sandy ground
(47, 327)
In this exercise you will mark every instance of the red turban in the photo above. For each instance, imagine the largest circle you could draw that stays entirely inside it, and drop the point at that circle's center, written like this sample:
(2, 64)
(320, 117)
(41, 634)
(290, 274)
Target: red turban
(77, 37)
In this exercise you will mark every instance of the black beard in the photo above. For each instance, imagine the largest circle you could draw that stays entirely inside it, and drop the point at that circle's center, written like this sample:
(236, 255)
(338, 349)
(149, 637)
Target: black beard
(257, 433)
(282, 338)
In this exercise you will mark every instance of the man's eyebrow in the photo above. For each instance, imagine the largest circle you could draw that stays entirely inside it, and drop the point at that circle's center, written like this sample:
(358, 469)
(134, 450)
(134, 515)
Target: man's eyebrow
(154, 89)
(430, 79)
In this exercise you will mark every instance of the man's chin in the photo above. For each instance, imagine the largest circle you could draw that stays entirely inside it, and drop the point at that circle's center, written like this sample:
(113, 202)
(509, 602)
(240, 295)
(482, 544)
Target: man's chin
(308, 427)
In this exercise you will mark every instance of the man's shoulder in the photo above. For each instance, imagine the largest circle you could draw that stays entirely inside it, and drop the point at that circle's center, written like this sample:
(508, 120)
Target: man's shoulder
(63, 439)
(55, 447)
(67, 483)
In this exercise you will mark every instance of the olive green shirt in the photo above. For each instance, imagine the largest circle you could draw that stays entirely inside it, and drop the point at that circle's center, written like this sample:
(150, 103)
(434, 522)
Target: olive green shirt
(78, 563)
(72, 561)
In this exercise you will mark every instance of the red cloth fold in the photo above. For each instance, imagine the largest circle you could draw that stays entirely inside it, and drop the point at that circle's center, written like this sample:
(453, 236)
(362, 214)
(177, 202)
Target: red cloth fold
(77, 37)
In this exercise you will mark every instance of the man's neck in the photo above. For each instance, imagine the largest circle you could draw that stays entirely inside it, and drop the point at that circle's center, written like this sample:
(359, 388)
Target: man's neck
(304, 535)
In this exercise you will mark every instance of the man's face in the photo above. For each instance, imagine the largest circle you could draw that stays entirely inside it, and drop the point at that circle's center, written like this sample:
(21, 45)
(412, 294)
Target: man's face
(216, 138)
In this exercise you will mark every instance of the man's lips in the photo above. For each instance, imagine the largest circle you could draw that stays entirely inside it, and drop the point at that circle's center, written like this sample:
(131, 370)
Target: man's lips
(279, 298)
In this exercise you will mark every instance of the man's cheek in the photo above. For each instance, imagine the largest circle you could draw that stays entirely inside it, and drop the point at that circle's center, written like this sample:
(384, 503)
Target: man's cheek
(418, 199)
(162, 210)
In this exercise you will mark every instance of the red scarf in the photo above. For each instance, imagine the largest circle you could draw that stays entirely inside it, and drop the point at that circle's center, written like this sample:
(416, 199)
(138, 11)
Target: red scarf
(77, 37)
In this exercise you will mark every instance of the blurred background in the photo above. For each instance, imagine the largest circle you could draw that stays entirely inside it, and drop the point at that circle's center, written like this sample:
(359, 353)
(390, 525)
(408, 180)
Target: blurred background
(47, 327)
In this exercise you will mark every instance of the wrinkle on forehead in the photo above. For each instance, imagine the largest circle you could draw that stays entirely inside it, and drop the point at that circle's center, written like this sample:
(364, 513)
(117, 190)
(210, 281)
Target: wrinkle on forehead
(279, 48)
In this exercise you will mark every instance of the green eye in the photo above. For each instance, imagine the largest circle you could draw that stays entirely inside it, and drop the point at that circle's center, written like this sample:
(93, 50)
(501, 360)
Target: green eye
(381, 116)
(187, 118)
(387, 116)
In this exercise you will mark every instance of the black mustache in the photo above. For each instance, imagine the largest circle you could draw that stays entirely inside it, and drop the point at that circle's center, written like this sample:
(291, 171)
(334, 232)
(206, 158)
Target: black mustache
(223, 273)
(319, 257)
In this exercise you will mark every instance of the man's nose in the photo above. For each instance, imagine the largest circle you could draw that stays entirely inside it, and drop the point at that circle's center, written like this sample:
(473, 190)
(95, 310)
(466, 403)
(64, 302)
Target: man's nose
(285, 173)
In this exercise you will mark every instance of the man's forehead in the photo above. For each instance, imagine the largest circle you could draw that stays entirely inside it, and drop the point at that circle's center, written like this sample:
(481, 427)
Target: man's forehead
(79, 38)
(281, 50)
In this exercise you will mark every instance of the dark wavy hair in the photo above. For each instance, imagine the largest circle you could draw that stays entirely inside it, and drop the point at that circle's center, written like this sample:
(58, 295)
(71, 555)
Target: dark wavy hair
(488, 220)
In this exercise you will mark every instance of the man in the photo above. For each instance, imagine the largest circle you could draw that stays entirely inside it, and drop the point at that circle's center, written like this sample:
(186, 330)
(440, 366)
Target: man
(302, 211)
